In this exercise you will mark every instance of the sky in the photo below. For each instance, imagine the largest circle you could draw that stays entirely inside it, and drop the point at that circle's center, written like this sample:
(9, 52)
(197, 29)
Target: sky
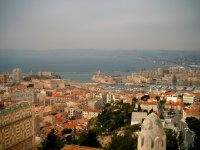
(100, 24)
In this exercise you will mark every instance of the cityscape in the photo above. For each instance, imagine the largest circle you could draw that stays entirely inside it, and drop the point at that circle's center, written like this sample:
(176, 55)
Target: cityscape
(99, 75)
(35, 104)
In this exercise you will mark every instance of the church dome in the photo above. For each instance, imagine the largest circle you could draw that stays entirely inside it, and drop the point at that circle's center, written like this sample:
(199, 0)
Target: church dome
(152, 126)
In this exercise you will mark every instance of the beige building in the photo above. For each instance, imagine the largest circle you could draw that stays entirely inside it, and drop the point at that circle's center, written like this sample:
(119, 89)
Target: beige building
(152, 135)
(17, 75)
(187, 98)
(90, 113)
(17, 129)
(49, 83)
(23, 95)
(45, 73)
(3, 78)
(137, 117)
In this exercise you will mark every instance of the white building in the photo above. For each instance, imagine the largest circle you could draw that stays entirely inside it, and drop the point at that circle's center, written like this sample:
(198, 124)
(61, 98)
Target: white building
(187, 98)
(90, 113)
(172, 98)
(49, 84)
(45, 73)
(110, 97)
(152, 135)
(17, 75)
(71, 112)
(137, 117)
(23, 95)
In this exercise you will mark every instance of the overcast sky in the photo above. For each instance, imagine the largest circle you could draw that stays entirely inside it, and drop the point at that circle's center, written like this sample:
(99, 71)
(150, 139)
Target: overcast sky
(100, 24)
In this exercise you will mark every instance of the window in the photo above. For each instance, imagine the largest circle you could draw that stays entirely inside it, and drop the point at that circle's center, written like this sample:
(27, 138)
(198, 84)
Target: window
(142, 143)
(152, 144)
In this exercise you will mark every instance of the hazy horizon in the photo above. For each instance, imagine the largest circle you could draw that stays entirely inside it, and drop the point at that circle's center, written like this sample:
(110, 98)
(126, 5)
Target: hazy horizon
(102, 25)
(93, 49)
(92, 60)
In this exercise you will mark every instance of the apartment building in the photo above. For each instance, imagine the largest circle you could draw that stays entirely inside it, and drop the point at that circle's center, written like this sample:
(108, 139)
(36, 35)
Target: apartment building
(188, 98)
(89, 113)
(17, 75)
(3, 78)
(17, 127)
(23, 95)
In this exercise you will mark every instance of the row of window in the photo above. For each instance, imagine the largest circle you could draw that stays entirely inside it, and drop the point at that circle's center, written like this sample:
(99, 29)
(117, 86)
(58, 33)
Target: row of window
(17, 133)
(14, 116)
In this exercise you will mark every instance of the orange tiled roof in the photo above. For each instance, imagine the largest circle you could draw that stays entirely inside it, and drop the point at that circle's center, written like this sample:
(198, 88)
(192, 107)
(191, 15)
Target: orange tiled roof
(169, 93)
(72, 124)
(171, 103)
(92, 110)
(197, 94)
(190, 111)
(70, 147)
(58, 132)
(20, 86)
(195, 106)
(148, 103)
(47, 109)
(58, 119)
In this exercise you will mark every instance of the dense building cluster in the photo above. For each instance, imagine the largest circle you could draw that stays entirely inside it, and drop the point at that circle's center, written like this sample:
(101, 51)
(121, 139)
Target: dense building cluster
(30, 109)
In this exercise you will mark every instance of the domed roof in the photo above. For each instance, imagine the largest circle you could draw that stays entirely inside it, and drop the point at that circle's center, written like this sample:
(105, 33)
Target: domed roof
(152, 126)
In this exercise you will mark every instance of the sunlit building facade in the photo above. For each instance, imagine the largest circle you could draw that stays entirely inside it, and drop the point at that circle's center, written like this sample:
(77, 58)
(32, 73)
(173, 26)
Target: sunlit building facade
(17, 129)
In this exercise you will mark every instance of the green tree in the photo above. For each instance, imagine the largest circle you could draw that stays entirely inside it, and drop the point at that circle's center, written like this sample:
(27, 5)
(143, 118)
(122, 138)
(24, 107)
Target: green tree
(134, 100)
(194, 125)
(72, 118)
(139, 108)
(150, 111)
(66, 131)
(171, 139)
(123, 142)
(89, 138)
(161, 116)
(145, 97)
(157, 98)
(52, 142)
(69, 139)
(181, 141)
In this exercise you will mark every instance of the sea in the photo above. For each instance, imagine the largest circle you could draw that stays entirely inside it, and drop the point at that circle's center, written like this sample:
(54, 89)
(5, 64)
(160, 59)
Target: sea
(80, 64)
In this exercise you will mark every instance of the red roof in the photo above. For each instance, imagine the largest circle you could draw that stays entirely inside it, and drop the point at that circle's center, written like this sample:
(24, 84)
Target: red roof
(20, 86)
(171, 103)
(92, 110)
(72, 124)
(189, 111)
(169, 93)
(148, 103)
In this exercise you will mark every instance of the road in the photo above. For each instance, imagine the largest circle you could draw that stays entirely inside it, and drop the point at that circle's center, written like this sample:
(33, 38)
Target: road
(182, 126)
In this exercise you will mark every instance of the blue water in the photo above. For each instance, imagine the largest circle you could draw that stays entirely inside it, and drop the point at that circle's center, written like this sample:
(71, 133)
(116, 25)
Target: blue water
(86, 77)
(79, 65)
(82, 77)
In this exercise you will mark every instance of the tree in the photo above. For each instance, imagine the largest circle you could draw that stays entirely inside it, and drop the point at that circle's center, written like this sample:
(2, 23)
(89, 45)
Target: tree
(52, 142)
(145, 97)
(69, 139)
(161, 116)
(194, 125)
(89, 138)
(150, 111)
(139, 108)
(123, 142)
(134, 100)
(181, 141)
(157, 98)
(171, 139)
(72, 118)
(66, 131)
